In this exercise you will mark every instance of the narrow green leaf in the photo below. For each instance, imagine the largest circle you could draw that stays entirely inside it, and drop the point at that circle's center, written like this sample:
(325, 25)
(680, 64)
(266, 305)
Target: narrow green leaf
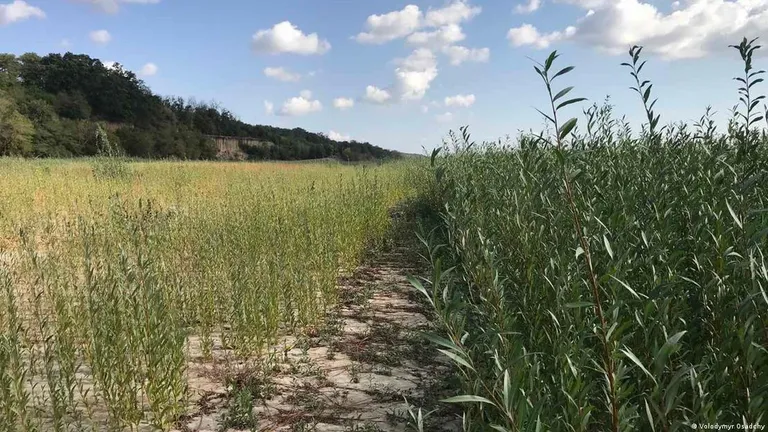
(608, 247)
(567, 128)
(458, 359)
(647, 93)
(467, 399)
(437, 340)
(550, 60)
(650, 416)
(628, 288)
(563, 72)
(733, 214)
(576, 305)
(562, 93)
(569, 102)
(545, 115)
(627, 352)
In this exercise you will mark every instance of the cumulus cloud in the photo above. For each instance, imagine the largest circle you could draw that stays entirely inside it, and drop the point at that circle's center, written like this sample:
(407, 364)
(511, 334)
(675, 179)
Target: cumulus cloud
(336, 136)
(112, 6)
(302, 105)
(529, 7)
(694, 28)
(269, 107)
(383, 28)
(148, 69)
(444, 118)
(376, 95)
(287, 38)
(458, 54)
(101, 37)
(454, 13)
(443, 36)
(438, 30)
(527, 34)
(343, 103)
(415, 74)
(398, 24)
(460, 101)
(110, 64)
(19, 10)
(281, 74)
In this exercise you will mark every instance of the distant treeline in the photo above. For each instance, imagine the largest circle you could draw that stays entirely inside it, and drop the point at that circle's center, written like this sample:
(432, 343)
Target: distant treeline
(51, 107)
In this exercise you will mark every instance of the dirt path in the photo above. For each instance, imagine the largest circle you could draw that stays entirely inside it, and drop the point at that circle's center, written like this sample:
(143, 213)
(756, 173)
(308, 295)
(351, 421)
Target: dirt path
(352, 375)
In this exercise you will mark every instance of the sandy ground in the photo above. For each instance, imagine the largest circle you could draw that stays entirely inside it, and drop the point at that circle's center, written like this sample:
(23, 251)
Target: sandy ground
(353, 375)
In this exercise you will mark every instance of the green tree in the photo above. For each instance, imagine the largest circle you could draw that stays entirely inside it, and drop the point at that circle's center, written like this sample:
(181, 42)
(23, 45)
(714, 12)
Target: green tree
(16, 131)
(9, 70)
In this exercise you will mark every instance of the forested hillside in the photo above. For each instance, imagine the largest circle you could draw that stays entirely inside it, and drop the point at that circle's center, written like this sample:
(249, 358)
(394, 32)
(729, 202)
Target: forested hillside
(50, 107)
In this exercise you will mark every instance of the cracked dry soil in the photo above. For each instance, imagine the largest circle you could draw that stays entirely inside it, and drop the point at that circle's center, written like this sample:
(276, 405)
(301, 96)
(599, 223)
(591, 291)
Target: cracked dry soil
(355, 374)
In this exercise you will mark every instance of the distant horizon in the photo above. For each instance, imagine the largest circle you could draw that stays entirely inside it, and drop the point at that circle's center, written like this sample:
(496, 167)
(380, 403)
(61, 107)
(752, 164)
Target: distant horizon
(401, 76)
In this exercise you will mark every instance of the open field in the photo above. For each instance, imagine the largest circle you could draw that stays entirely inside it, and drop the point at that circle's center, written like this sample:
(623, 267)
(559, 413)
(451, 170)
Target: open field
(589, 277)
(116, 275)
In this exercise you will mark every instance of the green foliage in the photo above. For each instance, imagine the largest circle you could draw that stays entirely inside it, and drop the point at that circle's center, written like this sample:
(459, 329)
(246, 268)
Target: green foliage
(54, 90)
(644, 90)
(72, 106)
(111, 289)
(599, 281)
(749, 115)
(16, 131)
(109, 163)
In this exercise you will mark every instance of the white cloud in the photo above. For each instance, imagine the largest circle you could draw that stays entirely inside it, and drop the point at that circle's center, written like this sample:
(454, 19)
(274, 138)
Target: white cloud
(424, 109)
(460, 101)
(65, 43)
(455, 13)
(343, 103)
(415, 74)
(101, 37)
(281, 74)
(383, 28)
(302, 105)
(444, 118)
(694, 29)
(530, 7)
(459, 54)
(112, 6)
(336, 136)
(287, 38)
(109, 64)
(148, 69)
(527, 34)
(376, 95)
(18, 11)
(440, 30)
(443, 36)
(269, 107)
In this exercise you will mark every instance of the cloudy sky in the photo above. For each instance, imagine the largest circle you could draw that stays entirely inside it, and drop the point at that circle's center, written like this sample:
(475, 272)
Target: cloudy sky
(400, 74)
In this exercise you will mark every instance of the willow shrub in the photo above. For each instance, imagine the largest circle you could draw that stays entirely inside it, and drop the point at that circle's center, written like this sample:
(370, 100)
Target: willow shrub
(595, 280)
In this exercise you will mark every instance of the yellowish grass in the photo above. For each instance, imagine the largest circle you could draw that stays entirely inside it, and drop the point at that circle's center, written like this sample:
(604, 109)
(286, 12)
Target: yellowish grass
(108, 277)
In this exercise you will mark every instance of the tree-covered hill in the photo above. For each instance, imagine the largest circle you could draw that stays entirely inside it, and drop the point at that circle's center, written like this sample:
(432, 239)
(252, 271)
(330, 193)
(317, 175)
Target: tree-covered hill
(50, 107)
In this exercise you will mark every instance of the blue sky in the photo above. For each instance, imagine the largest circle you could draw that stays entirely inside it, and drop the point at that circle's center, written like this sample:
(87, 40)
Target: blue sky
(406, 50)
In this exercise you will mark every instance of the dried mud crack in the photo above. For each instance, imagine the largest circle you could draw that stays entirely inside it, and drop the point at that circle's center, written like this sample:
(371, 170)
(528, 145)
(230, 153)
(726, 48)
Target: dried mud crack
(355, 374)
